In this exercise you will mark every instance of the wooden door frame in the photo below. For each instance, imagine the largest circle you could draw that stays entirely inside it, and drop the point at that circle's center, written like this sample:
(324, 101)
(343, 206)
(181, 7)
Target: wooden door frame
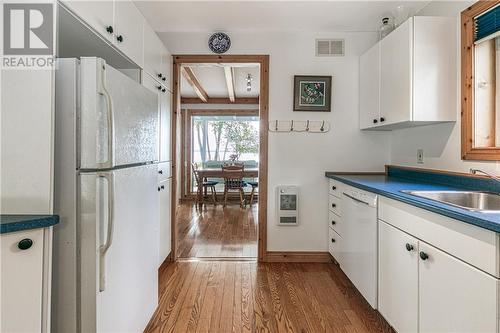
(263, 61)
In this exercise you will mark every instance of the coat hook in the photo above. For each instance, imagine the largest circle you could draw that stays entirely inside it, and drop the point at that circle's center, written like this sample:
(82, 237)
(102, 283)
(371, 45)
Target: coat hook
(276, 125)
(322, 129)
(291, 128)
(307, 126)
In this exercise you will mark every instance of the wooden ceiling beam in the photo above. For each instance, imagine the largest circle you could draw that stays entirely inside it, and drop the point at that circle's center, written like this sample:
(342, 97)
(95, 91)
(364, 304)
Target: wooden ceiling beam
(194, 83)
(229, 74)
(215, 100)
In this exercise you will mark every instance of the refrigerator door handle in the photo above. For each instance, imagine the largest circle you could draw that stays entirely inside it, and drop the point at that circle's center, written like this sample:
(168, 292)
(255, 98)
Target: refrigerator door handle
(109, 233)
(102, 90)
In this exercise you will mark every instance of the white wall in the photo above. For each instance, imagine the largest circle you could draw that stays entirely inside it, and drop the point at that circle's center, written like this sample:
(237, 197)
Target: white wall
(441, 143)
(302, 159)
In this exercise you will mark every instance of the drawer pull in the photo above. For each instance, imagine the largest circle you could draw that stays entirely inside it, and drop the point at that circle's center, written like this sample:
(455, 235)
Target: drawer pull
(424, 256)
(334, 188)
(119, 38)
(333, 240)
(109, 29)
(334, 205)
(334, 223)
(160, 172)
(409, 247)
(25, 244)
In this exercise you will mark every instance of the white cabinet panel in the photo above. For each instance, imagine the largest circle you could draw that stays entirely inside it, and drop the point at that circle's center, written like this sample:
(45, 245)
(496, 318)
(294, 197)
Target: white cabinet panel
(334, 204)
(335, 222)
(165, 128)
(369, 88)
(165, 219)
(97, 14)
(398, 278)
(335, 245)
(455, 297)
(153, 52)
(396, 74)
(166, 67)
(129, 26)
(21, 282)
(335, 188)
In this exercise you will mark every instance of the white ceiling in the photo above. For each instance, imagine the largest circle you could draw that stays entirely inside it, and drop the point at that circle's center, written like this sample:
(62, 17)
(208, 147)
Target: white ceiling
(255, 15)
(212, 79)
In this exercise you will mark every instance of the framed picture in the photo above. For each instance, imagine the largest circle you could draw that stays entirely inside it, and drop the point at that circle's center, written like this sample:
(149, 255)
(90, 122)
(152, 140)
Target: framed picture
(312, 93)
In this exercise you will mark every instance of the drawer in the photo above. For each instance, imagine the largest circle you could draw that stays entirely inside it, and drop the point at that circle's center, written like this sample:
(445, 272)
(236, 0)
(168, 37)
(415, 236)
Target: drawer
(334, 245)
(164, 171)
(335, 222)
(334, 204)
(335, 188)
(477, 246)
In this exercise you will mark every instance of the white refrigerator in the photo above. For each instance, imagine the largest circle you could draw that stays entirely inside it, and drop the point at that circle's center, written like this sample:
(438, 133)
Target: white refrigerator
(106, 247)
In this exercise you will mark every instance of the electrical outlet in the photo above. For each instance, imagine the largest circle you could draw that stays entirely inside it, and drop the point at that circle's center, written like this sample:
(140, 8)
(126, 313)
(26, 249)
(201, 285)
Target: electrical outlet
(420, 156)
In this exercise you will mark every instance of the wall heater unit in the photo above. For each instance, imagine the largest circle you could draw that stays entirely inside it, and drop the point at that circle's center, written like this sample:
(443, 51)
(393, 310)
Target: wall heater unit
(288, 205)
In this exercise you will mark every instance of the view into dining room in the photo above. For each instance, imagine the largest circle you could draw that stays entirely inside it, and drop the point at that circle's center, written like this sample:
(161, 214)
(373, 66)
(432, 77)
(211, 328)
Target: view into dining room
(219, 158)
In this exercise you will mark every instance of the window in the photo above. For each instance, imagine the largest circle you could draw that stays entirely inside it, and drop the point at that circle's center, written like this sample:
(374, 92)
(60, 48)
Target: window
(219, 139)
(480, 91)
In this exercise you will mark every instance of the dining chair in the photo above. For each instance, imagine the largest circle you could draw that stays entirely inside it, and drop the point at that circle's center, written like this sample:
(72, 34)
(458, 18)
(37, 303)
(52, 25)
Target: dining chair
(254, 185)
(205, 184)
(233, 181)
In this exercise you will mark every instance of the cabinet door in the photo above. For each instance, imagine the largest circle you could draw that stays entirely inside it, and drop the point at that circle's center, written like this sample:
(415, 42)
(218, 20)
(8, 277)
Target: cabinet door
(97, 14)
(335, 246)
(153, 49)
(398, 278)
(165, 220)
(21, 283)
(165, 128)
(129, 26)
(454, 296)
(396, 75)
(166, 68)
(369, 88)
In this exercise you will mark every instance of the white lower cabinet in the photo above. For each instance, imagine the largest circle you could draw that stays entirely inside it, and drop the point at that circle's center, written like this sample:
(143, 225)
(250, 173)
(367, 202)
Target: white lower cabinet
(423, 289)
(165, 189)
(454, 296)
(25, 280)
(398, 278)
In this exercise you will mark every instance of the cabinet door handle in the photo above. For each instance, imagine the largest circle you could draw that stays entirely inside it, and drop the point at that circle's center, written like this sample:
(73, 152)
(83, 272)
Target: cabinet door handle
(334, 223)
(164, 78)
(375, 121)
(160, 172)
(334, 205)
(409, 247)
(162, 187)
(382, 119)
(109, 29)
(163, 90)
(334, 188)
(159, 189)
(159, 75)
(158, 87)
(25, 244)
(423, 255)
(119, 38)
(333, 240)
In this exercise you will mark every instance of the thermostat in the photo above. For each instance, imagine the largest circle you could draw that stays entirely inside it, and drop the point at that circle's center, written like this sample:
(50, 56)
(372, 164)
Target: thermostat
(288, 205)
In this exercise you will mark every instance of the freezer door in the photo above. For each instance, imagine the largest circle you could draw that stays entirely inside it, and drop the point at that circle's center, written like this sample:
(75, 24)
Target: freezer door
(119, 249)
(118, 118)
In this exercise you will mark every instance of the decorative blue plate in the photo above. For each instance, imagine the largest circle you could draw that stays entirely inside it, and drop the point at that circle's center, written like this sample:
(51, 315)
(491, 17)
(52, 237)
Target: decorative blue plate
(219, 42)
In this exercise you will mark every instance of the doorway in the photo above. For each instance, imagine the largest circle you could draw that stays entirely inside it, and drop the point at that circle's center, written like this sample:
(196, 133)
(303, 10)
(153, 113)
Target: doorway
(211, 130)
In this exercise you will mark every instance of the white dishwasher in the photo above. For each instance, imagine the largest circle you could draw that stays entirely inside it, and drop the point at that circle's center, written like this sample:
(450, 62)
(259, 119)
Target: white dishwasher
(360, 241)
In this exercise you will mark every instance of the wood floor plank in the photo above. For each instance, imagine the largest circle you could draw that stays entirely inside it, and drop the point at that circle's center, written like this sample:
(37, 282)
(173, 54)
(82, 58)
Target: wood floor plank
(217, 231)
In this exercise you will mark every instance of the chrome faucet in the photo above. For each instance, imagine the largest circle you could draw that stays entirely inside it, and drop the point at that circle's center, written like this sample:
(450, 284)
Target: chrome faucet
(475, 171)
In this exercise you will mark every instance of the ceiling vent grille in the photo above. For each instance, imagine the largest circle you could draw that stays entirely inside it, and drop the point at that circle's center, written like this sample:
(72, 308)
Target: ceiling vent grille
(330, 47)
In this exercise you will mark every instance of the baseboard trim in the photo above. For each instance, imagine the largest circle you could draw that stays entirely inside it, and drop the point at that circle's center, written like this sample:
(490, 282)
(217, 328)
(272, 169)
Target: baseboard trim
(297, 256)
(165, 263)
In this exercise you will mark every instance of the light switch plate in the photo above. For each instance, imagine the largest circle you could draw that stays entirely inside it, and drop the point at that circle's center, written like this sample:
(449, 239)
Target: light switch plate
(420, 156)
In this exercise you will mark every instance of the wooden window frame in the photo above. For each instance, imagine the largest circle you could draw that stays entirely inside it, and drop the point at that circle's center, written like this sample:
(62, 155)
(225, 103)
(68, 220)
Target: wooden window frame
(263, 61)
(469, 152)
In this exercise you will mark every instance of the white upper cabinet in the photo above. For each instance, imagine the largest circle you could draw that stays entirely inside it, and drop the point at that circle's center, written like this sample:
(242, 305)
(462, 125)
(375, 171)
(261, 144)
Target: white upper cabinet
(413, 76)
(153, 53)
(369, 87)
(396, 75)
(97, 14)
(165, 128)
(129, 30)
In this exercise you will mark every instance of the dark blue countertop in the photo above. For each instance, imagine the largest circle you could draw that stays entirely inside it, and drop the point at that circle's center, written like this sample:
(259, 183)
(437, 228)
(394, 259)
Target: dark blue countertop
(390, 186)
(11, 223)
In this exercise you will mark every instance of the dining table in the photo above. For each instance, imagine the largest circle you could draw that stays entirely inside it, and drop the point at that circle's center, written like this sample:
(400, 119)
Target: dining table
(205, 173)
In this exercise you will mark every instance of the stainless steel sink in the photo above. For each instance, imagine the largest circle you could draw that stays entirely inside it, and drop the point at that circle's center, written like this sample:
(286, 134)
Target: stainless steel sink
(484, 202)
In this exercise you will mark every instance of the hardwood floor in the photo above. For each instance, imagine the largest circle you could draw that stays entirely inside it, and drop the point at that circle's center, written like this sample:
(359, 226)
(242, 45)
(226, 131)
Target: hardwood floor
(217, 232)
(228, 296)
